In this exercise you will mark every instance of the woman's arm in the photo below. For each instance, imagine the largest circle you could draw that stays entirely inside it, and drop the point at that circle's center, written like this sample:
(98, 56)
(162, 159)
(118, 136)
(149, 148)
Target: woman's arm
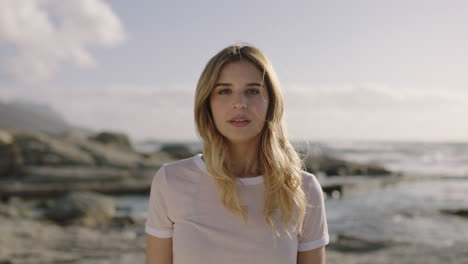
(314, 256)
(158, 250)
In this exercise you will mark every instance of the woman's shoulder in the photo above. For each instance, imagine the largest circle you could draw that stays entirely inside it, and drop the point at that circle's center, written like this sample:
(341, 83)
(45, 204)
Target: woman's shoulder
(177, 173)
(308, 177)
(179, 164)
(310, 182)
(181, 167)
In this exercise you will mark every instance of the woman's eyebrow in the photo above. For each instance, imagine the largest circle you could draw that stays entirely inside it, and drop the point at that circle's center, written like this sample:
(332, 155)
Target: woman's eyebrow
(229, 84)
(255, 84)
(222, 84)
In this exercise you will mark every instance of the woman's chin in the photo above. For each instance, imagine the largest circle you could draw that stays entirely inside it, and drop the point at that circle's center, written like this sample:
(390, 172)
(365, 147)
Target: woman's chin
(243, 139)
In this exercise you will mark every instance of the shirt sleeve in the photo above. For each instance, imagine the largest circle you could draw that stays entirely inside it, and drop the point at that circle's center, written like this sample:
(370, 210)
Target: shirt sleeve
(158, 222)
(315, 227)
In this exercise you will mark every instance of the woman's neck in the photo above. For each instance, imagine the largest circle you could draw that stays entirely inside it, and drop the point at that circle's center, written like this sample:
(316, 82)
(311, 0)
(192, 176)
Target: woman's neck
(244, 159)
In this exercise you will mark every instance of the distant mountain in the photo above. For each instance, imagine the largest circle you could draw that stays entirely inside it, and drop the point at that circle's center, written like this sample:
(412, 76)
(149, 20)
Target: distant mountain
(35, 116)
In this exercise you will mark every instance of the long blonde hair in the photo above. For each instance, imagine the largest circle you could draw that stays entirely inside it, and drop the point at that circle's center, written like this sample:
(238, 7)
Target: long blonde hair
(280, 163)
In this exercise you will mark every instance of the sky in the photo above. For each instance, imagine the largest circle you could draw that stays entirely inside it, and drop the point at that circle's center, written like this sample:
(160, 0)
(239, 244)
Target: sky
(349, 70)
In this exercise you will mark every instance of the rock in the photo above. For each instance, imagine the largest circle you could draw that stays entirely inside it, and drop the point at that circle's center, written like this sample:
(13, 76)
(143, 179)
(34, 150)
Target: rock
(119, 140)
(82, 208)
(138, 183)
(106, 155)
(39, 149)
(71, 149)
(337, 167)
(31, 241)
(122, 221)
(5, 138)
(10, 158)
(20, 148)
(463, 212)
(178, 151)
(112, 155)
(74, 174)
(411, 213)
(156, 159)
(8, 211)
(18, 208)
(347, 243)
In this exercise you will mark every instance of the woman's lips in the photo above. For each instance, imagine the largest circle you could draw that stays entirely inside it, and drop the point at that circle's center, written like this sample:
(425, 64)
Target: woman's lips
(239, 123)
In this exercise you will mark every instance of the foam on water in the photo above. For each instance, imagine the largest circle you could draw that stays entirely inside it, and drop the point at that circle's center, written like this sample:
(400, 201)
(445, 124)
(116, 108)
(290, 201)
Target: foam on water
(419, 158)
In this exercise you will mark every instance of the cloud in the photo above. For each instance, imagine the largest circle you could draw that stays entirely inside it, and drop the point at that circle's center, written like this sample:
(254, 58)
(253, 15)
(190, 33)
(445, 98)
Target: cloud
(372, 111)
(47, 34)
(371, 97)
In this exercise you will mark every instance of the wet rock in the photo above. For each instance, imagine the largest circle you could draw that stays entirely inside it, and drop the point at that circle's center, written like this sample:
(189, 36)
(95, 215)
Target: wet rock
(337, 167)
(82, 208)
(122, 221)
(346, 243)
(412, 213)
(463, 212)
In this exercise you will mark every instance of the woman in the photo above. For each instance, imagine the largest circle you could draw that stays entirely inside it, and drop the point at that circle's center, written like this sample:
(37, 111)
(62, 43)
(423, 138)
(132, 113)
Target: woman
(246, 199)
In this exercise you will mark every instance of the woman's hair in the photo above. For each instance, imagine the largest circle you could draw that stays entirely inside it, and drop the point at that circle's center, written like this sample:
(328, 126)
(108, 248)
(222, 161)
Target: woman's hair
(280, 163)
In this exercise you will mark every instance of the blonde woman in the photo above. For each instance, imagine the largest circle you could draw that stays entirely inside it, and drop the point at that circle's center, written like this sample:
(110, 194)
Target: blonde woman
(246, 199)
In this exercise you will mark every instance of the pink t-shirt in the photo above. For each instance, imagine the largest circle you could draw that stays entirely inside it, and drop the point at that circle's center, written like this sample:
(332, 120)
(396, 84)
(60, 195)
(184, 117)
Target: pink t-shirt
(184, 204)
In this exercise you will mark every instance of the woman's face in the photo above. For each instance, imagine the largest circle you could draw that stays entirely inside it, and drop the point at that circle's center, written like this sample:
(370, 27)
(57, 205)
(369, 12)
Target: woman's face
(239, 102)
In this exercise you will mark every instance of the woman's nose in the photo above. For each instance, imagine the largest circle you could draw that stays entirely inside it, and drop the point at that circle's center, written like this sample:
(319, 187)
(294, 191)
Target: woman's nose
(240, 102)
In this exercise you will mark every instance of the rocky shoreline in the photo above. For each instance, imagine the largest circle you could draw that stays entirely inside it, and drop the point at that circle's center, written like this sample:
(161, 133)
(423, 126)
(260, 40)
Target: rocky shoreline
(57, 203)
(34, 164)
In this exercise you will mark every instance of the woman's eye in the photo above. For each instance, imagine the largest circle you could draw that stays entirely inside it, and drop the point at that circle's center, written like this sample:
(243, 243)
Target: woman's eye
(254, 91)
(225, 91)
